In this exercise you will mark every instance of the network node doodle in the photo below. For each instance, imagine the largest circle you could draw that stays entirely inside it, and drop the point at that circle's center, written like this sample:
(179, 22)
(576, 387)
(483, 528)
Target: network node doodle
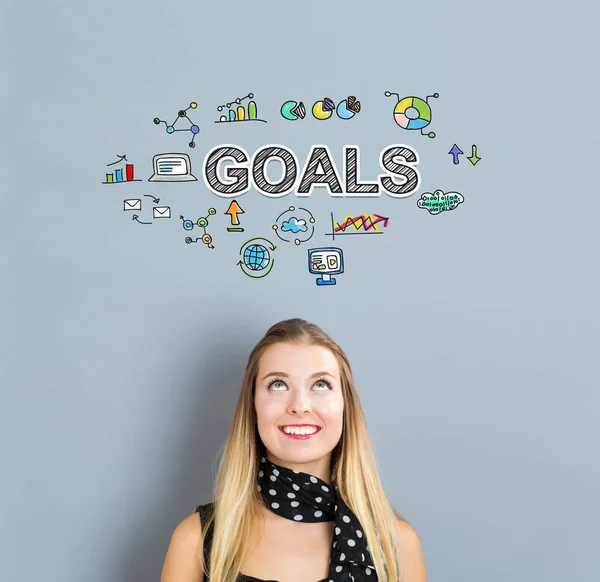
(413, 112)
(256, 260)
(180, 115)
(295, 224)
(202, 223)
(237, 112)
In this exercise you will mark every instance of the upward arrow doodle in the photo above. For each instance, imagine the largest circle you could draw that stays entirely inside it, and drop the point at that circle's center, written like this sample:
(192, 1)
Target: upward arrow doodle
(233, 211)
(455, 151)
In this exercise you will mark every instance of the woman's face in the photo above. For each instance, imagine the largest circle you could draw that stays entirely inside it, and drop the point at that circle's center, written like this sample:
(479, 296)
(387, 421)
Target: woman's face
(299, 384)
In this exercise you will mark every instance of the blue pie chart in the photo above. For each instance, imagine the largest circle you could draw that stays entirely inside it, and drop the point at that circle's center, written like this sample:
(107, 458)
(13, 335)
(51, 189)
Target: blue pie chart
(348, 108)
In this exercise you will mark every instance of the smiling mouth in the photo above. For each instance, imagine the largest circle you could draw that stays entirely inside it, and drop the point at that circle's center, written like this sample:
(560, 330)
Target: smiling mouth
(300, 434)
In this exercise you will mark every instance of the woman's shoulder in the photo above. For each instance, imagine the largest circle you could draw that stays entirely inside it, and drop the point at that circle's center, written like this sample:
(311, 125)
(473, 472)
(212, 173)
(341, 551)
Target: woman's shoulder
(181, 561)
(205, 509)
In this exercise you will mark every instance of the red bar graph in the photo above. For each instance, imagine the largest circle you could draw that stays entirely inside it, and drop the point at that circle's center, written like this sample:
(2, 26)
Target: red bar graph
(129, 172)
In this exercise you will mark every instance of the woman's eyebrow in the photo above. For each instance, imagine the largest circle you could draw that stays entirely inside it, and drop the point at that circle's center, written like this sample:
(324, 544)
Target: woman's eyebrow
(284, 375)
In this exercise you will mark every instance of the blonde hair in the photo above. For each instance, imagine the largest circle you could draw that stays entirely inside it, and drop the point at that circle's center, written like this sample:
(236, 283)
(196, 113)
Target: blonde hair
(237, 509)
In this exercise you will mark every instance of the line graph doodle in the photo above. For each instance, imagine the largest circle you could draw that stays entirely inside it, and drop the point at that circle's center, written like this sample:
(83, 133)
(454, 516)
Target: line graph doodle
(363, 224)
(122, 158)
(238, 113)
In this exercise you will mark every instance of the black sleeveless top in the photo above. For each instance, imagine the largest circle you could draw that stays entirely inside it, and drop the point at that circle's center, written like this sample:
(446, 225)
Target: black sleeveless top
(205, 511)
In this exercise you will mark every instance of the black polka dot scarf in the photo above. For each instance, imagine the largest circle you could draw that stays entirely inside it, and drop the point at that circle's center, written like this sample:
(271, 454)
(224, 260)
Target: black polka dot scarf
(306, 498)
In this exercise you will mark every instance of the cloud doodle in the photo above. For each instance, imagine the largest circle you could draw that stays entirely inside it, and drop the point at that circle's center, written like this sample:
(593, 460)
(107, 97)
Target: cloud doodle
(439, 201)
(294, 225)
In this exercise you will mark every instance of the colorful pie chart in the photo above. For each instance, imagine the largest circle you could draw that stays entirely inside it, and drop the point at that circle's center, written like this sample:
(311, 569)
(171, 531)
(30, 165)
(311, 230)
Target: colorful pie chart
(412, 113)
(348, 108)
(292, 110)
(323, 109)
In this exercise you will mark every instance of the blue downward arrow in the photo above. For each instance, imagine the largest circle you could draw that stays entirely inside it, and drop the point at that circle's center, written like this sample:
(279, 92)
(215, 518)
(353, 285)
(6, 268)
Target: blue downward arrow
(455, 151)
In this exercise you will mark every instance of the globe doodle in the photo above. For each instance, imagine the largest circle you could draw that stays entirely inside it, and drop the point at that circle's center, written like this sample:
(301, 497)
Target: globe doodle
(256, 257)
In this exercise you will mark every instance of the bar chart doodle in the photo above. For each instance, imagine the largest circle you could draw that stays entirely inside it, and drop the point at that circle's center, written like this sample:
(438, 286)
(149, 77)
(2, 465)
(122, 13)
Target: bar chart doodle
(202, 223)
(116, 177)
(413, 113)
(170, 129)
(237, 112)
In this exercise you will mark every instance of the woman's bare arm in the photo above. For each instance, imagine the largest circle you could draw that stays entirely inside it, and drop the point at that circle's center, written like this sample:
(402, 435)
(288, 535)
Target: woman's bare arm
(183, 562)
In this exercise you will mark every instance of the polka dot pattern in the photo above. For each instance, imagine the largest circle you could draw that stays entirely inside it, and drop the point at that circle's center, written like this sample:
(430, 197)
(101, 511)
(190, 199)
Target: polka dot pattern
(307, 499)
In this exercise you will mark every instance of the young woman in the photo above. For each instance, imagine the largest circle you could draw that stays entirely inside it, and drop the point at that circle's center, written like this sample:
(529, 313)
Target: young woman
(297, 495)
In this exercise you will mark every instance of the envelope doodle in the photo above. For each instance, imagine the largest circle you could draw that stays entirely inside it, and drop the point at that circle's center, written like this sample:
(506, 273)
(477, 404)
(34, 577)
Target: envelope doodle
(132, 204)
(161, 212)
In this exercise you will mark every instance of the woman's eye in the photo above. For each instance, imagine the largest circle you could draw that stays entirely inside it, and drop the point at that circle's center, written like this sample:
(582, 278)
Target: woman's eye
(276, 384)
(322, 384)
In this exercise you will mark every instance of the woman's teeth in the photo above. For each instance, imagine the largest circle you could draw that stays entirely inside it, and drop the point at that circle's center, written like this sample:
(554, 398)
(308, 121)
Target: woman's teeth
(300, 430)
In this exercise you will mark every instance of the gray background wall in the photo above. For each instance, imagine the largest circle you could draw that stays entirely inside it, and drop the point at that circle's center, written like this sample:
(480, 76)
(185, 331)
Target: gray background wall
(473, 333)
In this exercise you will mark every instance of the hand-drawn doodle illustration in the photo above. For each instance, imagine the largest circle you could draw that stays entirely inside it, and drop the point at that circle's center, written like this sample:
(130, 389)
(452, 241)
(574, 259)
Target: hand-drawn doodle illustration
(348, 108)
(137, 219)
(172, 168)
(155, 200)
(455, 152)
(326, 262)
(116, 177)
(170, 129)
(439, 201)
(202, 223)
(323, 109)
(233, 210)
(413, 112)
(293, 110)
(292, 221)
(135, 204)
(255, 257)
(205, 238)
(473, 158)
(161, 212)
(239, 113)
(122, 158)
(363, 224)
